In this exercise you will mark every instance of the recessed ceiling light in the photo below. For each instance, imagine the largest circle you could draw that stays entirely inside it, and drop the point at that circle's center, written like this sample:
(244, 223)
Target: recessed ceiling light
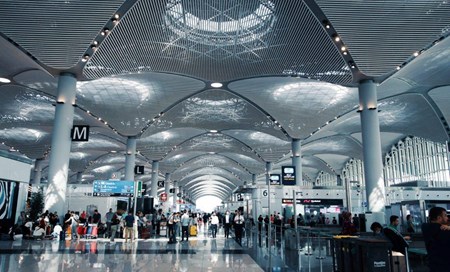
(4, 80)
(213, 131)
(216, 84)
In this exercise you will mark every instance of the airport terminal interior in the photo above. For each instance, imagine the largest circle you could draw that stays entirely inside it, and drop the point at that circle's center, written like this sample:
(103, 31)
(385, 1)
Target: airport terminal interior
(294, 114)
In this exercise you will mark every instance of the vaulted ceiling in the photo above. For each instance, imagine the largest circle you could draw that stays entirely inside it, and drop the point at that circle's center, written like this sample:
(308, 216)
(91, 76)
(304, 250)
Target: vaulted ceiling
(288, 69)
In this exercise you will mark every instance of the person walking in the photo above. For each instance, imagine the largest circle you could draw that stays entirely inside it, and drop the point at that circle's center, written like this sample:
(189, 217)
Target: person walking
(238, 227)
(214, 224)
(227, 224)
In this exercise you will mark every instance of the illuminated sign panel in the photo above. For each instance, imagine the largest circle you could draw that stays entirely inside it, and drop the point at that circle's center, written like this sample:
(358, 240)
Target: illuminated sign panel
(288, 175)
(113, 188)
(275, 179)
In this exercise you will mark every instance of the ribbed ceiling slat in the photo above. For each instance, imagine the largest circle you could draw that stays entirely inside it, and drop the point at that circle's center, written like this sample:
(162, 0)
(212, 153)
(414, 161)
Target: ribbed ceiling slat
(57, 33)
(380, 35)
(220, 41)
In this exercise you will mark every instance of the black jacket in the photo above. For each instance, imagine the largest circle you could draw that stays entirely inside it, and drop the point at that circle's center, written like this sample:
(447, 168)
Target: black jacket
(399, 243)
(437, 242)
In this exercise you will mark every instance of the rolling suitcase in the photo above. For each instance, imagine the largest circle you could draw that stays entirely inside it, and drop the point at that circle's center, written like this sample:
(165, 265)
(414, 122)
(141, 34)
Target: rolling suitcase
(193, 230)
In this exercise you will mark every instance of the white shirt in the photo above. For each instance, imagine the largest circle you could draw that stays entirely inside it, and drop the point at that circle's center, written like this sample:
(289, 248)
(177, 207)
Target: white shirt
(38, 232)
(239, 219)
(214, 220)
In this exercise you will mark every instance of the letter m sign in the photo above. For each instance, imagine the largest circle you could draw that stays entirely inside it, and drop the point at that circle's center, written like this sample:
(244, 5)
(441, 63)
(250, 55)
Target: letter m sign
(80, 133)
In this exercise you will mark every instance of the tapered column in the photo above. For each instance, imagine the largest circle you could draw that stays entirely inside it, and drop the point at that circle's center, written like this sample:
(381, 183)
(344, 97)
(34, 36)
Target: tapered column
(55, 197)
(175, 197)
(373, 165)
(167, 184)
(253, 179)
(269, 195)
(79, 177)
(297, 160)
(155, 170)
(130, 159)
(37, 172)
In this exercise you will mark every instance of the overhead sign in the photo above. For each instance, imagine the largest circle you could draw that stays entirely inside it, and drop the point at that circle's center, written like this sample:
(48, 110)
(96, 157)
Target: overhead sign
(288, 175)
(337, 202)
(80, 133)
(113, 188)
(160, 183)
(275, 179)
(139, 170)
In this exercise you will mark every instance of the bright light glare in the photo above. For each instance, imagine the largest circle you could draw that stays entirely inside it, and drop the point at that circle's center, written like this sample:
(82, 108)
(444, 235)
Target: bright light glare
(208, 203)
(216, 85)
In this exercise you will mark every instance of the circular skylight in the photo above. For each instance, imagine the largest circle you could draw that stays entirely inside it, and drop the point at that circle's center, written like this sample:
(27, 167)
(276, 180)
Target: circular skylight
(220, 23)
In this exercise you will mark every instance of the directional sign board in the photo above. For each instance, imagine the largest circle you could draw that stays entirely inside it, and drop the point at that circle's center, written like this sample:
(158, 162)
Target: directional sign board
(160, 183)
(113, 188)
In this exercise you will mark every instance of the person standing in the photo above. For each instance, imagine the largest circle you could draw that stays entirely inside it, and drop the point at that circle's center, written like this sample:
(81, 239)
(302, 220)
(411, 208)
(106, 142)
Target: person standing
(238, 226)
(227, 224)
(436, 235)
(399, 243)
(129, 226)
(185, 222)
(115, 221)
(260, 222)
(214, 224)
(97, 217)
(171, 232)
(108, 216)
(409, 224)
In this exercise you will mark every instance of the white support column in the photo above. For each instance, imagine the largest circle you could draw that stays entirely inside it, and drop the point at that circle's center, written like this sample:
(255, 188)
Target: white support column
(297, 160)
(175, 189)
(55, 197)
(155, 170)
(79, 177)
(269, 196)
(37, 172)
(373, 165)
(130, 159)
(167, 184)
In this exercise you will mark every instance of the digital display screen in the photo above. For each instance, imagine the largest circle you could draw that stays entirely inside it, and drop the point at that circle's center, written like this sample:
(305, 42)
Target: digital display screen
(288, 175)
(275, 179)
(113, 188)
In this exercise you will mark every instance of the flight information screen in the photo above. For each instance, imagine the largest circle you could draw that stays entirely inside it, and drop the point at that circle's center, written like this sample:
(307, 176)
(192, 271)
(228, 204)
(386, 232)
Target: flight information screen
(113, 188)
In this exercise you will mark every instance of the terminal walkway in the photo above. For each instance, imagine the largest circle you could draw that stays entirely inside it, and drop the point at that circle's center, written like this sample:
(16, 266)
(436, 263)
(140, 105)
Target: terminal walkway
(200, 253)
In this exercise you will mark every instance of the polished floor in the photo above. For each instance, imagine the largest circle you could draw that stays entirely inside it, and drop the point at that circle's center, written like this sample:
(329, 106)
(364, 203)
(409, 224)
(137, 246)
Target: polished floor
(201, 253)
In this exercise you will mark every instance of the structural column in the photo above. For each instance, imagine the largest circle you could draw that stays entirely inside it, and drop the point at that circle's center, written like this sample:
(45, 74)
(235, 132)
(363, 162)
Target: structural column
(79, 177)
(37, 172)
(155, 170)
(269, 195)
(55, 196)
(373, 165)
(167, 184)
(297, 160)
(175, 197)
(253, 179)
(130, 159)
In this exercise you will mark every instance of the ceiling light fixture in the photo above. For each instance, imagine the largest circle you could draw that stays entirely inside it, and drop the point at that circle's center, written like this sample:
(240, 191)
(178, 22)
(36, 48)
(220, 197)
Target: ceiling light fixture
(4, 80)
(416, 54)
(216, 84)
(213, 131)
(85, 58)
